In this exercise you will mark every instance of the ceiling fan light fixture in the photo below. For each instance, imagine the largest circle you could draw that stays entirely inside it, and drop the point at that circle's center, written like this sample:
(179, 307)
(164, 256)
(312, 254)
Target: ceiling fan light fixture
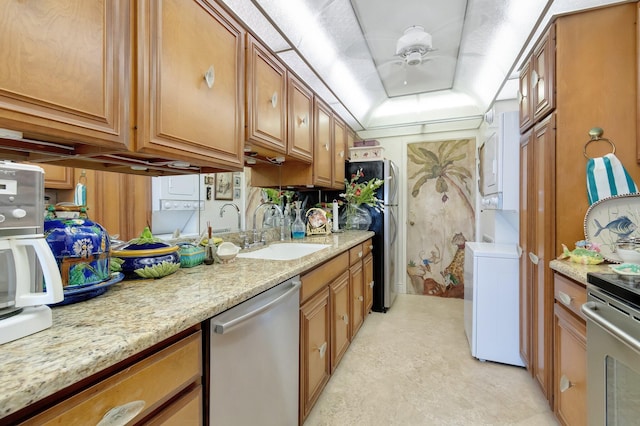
(413, 58)
(414, 41)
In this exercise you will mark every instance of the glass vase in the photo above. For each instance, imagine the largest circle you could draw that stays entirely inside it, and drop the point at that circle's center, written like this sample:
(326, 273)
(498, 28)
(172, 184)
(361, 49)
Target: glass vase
(356, 217)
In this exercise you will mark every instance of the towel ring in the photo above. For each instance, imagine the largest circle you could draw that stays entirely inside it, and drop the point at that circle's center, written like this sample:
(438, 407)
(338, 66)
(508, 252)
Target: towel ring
(596, 134)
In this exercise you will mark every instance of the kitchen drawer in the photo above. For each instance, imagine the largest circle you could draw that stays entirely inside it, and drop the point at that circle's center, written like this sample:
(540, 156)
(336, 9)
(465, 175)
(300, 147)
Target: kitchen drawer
(570, 294)
(323, 275)
(367, 246)
(153, 380)
(186, 410)
(356, 254)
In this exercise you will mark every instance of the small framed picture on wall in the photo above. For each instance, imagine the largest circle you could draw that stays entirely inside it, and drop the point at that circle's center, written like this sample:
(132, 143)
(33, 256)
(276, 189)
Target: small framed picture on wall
(237, 181)
(224, 190)
(236, 193)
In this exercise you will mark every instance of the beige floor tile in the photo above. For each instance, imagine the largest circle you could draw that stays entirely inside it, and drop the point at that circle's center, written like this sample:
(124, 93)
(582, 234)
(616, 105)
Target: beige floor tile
(412, 366)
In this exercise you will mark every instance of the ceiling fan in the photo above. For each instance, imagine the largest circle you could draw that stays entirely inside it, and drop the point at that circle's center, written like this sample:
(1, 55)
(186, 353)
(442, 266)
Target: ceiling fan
(414, 45)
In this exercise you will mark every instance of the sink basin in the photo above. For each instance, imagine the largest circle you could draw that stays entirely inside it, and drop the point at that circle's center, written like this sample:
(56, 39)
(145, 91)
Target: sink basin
(284, 251)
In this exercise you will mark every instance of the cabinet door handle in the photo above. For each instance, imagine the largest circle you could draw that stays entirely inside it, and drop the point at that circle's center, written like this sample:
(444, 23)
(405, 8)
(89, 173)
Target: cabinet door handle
(519, 250)
(274, 99)
(534, 259)
(520, 97)
(565, 298)
(341, 154)
(565, 383)
(360, 254)
(345, 318)
(360, 299)
(322, 349)
(210, 76)
(371, 284)
(370, 246)
(122, 414)
(303, 121)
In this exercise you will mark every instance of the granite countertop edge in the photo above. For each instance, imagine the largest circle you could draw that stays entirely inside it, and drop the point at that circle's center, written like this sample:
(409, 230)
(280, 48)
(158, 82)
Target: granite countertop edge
(90, 336)
(577, 271)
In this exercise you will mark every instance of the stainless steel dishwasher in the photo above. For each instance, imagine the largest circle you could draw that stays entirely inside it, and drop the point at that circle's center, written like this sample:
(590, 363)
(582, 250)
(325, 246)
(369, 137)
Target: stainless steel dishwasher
(254, 360)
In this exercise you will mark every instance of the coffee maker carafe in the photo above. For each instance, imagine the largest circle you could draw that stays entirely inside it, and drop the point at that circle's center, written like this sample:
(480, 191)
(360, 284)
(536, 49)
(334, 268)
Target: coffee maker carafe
(29, 275)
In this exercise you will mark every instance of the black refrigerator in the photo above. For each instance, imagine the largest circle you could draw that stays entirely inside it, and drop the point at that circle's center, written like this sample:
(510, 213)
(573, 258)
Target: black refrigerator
(384, 224)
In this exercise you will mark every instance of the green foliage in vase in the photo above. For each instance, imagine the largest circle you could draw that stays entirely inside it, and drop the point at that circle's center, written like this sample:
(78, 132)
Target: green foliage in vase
(362, 193)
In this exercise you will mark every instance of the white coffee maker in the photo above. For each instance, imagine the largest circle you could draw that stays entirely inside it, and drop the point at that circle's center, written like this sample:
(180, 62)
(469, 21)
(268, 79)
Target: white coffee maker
(29, 275)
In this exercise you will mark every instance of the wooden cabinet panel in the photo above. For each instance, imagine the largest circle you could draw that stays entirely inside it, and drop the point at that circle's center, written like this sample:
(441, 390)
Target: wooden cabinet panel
(322, 275)
(543, 228)
(570, 368)
(300, 120)
(146, 381)
(64, 73)
(57, 177)
(356, 290)
(526, 242)
(266, 84)
(542, 83)
(187, 410)
(339, 152)
(340, 318)
(190, 83)
(125, 215)
(367, 271)
(524, 96)
(323, 145)
(315, 366)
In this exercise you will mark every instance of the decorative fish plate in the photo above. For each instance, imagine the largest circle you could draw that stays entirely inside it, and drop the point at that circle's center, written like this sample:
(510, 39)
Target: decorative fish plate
(610, 219)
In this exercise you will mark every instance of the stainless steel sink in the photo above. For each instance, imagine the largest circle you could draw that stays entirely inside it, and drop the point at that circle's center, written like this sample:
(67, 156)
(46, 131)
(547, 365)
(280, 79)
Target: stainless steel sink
(284, 251)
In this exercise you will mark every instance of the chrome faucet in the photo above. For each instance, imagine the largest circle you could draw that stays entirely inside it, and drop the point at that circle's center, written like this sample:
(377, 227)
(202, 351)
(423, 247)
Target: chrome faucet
(262, 238)
(237, 211)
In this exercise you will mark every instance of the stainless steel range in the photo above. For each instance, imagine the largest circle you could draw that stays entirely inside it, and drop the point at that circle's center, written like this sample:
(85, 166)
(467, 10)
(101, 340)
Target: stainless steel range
(613, 349)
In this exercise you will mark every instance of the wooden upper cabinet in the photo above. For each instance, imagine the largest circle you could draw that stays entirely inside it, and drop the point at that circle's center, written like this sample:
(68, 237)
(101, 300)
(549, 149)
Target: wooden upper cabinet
(57, 177)
(542, 81)
(524, 96)
(323, 144)
(266, 91)
(64, 74)
(300, 120)
(339, 152)
(190, 83)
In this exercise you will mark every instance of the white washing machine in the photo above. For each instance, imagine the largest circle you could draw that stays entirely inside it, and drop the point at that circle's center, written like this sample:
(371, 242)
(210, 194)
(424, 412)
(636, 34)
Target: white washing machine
(492, 302)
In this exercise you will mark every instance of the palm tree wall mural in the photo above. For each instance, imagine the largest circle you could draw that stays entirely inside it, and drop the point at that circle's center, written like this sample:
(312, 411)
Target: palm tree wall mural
(441, 179)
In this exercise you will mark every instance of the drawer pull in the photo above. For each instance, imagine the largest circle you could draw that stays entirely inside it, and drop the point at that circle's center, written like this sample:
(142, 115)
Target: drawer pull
(210, 76)
(565, 298)
(371, 284)
(322, 349)
(370, 246)
(361, 299)
(565, 383)
(534, 259)
(360, 254)
(345, 318)
(122, 414)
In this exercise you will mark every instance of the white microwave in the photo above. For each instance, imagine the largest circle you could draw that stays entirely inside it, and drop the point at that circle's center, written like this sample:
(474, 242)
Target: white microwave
(499, 165)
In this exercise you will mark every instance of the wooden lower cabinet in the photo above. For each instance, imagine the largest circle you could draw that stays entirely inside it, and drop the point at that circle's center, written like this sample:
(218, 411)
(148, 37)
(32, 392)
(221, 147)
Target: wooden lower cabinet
(569, 352)
(367, 271)
(315, 366)
(332, 310)
(161, 388)
(340, 318)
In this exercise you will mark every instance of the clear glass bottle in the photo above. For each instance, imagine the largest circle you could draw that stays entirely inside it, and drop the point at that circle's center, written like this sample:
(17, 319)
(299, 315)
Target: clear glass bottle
(297, 228)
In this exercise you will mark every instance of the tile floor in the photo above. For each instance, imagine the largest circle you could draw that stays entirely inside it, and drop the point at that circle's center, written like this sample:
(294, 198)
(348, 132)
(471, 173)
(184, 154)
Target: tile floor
(412, 366)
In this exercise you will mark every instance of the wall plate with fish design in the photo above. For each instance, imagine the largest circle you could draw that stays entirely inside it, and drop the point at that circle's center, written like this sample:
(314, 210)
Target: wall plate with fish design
(610, 219)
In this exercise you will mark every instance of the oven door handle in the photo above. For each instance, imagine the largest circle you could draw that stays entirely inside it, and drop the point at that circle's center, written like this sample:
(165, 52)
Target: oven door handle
(590, 310)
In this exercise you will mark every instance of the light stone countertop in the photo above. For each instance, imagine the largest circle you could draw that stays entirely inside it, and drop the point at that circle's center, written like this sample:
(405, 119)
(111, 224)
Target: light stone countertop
(131, 316)
(576, 271)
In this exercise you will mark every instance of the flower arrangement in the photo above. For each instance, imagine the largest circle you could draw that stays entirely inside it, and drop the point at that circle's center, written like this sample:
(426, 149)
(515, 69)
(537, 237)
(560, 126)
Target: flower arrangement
(362, 193)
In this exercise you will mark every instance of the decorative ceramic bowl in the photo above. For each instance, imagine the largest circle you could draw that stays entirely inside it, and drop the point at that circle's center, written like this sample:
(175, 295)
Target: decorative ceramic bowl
(628, 249)
(227, 251)
(190, 255)
(81, 247)
(147, 257)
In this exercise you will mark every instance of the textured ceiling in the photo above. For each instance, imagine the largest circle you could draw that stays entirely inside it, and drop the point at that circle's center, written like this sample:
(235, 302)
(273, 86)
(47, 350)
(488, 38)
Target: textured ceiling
(345, 51)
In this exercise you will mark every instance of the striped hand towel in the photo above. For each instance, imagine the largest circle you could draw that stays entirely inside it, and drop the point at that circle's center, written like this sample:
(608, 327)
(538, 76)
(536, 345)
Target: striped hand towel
(606, 176)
